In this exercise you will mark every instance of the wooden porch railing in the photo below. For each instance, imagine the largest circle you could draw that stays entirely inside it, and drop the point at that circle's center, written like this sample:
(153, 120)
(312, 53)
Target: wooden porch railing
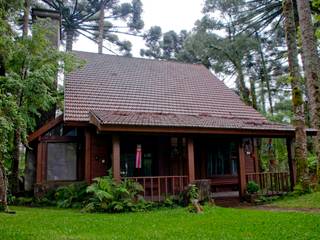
(156, 188)
(270, 183)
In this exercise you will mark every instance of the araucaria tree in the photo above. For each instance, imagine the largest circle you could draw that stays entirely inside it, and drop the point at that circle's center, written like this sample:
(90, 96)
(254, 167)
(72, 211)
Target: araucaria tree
(99, 20)
(297, 94)
(311, 63)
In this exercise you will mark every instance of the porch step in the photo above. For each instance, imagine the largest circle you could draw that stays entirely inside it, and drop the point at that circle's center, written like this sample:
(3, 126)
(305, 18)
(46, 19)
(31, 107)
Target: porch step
(226, 199)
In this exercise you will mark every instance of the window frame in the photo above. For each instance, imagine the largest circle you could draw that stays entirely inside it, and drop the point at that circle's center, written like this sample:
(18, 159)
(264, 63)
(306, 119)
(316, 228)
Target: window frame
(60, 139)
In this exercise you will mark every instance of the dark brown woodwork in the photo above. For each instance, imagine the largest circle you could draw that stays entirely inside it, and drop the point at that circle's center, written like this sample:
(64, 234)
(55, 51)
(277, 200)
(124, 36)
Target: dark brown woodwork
(45, 128)
(191, 170)
(60, 139)
(155, 129)
(291, 163)
(157, 188)
(116, 157)
(242, 170)
(87, 159)
(41, 165)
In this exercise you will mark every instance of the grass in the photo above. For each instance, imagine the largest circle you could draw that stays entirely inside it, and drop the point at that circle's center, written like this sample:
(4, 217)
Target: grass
(311, 201)
(214, 223)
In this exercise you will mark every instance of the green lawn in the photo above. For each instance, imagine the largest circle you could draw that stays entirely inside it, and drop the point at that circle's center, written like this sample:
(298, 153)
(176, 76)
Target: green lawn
(305, 201)
(215, 223)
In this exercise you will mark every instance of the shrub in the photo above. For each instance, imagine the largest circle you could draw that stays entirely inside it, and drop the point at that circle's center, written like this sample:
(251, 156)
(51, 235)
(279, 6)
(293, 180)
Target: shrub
(71, 196)
(189, 193)
(299, 189)
(252, 187)
(109, 196)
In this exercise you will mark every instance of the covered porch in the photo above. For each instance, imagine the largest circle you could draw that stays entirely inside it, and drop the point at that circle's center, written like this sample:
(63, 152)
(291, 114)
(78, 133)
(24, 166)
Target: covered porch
(169, 162)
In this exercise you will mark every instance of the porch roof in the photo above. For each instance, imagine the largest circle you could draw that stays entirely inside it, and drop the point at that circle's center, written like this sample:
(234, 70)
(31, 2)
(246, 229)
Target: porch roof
(130, 121)
(122, 91)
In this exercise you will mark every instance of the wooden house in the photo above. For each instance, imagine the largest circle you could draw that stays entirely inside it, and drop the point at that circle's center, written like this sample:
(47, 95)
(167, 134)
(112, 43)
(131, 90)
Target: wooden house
(164, 124)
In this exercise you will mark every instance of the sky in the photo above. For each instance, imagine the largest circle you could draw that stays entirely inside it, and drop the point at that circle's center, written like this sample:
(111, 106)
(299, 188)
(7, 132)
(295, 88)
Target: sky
(168, 14)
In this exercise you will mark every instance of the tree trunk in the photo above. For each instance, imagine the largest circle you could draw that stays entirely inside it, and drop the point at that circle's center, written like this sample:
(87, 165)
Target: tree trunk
(244, 92)
(311, 65)
(265, 74)
(26, 13)
(101, 27)
(253, 93)
(69, 39)
(297, 95)
(3, 187)
(14, 180)
(262, 93)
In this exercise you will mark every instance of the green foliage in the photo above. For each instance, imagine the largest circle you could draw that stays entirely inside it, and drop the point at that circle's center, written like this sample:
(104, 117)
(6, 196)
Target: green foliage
(190, 193)
(120, 18)
(300, 189)
(71, 196)
(252, 187)
(163, 46)
(109, 196)
(274, 151)
(312, 162)
(311, 201)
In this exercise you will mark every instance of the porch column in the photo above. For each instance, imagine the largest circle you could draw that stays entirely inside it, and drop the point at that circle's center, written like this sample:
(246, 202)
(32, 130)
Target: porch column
(87, 161)
(242, 170)
(40, 163)
(116, 157)
(191, 172)
(291, 163)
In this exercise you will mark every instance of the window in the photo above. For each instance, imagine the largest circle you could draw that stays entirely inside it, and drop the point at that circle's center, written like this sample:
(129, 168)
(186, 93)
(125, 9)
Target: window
(222, 160)
(62, 161)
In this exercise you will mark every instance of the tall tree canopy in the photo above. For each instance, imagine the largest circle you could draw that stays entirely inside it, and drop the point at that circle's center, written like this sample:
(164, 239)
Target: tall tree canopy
(99, 20)
(163, 46)
(29, 68)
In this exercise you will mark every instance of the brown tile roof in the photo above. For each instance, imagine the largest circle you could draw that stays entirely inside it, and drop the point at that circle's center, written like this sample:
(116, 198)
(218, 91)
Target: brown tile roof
(183, 120)
(134, 91)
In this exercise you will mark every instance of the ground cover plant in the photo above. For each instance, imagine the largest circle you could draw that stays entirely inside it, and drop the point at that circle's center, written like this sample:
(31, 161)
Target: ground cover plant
(311, 201)
(213, 223)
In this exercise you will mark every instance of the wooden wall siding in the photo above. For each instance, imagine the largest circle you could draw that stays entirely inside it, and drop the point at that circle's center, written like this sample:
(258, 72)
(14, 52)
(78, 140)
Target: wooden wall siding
(100, 155)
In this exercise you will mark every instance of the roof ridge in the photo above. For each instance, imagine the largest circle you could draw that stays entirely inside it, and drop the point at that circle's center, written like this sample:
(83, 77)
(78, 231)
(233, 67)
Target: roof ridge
(141, 58)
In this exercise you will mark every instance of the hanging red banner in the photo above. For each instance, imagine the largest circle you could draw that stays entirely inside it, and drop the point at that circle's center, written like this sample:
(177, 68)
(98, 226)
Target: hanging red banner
(138, 156)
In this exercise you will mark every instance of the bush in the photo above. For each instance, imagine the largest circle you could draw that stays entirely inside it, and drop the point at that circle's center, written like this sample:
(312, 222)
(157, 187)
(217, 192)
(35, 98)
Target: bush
(252, 187)
(299, 189)
(109, 196)
(312, 163)
(71, 196)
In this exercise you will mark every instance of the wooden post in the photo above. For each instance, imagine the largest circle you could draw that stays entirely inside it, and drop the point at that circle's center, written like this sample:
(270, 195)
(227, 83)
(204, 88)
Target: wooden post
(242, 170)
(291, 163)
(191, 172)
(88, 149)
(40, 160)
(116, 157)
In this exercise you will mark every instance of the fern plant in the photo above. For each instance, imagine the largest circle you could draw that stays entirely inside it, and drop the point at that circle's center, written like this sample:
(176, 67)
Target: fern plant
(71, 196)
(109, 196)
